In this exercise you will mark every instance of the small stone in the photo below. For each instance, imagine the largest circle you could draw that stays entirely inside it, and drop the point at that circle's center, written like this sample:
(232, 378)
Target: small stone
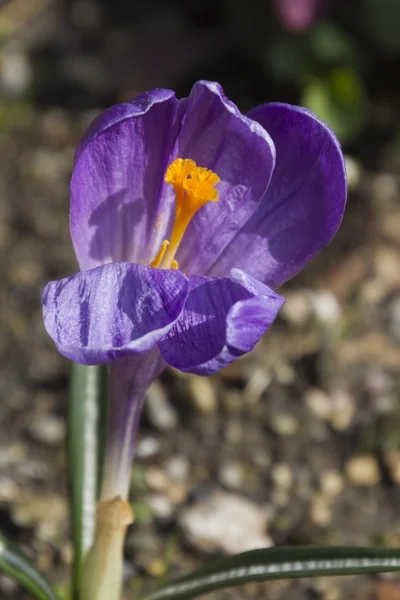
(319, 403)
(231, 475)
(161, 506)
(15, 71)
(343, 410)
(47, 429)
(256, 386)
(156, 567)
(177, 468)
(225, 522)
(8, 489)
(161, 413)
(332, 483)
(320, 511)
(326, 308)
(282, 476)
(353, 171)
(177, 493)
(156, 479)
(147, 447)
(363, 470)
(297, 310)
(202, 394)
(284, 424)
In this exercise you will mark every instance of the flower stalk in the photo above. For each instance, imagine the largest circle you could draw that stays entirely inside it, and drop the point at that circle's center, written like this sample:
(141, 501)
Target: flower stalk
(102, 569)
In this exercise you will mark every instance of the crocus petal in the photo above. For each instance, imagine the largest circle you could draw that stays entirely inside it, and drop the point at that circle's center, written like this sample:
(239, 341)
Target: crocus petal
(223, 318)
(112, 311)
(117, 190)
(216, 135)
(121, 207)
(303, 205)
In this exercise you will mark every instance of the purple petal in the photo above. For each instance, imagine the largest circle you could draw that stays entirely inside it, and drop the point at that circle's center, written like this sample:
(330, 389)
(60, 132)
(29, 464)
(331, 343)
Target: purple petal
(217, 136)
(223, 318)
(117, 187)
(112, 311)
(121, 208)
(304, 204)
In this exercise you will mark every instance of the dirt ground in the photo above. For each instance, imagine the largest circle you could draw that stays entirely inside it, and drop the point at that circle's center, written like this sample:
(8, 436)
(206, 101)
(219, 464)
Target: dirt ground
(306, 428)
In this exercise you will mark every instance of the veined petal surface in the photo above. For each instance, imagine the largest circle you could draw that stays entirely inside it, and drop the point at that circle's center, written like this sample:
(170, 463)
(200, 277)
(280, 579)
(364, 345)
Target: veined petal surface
(113, 311)
(303, 205)
(223, 318)
(118, 194)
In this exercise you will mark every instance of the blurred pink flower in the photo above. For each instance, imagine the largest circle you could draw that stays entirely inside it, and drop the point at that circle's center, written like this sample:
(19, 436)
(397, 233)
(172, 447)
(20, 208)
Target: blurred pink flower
(297, 15)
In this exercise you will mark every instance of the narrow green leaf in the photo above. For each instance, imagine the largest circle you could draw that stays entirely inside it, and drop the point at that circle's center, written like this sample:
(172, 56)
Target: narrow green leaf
(20, 569)
(86, 438)
(280, 563)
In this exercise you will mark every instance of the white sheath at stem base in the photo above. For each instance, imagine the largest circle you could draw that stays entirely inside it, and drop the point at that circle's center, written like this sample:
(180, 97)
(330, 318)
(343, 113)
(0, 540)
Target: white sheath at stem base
(102, 569)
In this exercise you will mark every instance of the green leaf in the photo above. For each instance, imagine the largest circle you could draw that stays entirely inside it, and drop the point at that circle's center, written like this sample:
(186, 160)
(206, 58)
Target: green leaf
(19, 567)
(87, 418)
(280, 563)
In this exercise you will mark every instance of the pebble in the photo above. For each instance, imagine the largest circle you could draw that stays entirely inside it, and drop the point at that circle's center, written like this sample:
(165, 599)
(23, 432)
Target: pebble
(326, 308)
(282, 476)
(202, 394)
(15, 71)
(256, 386)
(8, 489)
(225, 522)
(177, 468)
(162, 415)
(363, 470)
(320, 510)
(284, 424)
(231, 475)
(319, 403)
(156, 479)
(343, 410)
(147, 447)
(332, 483)
(161, 506)
(353, 171)
(297, 310)
(47, 429)
(177, 493)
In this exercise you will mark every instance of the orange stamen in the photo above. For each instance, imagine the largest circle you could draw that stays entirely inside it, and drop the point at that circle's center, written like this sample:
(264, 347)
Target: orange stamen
(194, 187)
(157, 261)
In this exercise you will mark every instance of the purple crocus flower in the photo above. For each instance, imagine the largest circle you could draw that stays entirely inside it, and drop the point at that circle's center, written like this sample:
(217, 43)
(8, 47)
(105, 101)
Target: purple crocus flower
(185, 215)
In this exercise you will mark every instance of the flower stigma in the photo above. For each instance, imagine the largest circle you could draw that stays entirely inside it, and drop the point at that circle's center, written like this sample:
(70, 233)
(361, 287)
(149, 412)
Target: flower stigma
(194, 187)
